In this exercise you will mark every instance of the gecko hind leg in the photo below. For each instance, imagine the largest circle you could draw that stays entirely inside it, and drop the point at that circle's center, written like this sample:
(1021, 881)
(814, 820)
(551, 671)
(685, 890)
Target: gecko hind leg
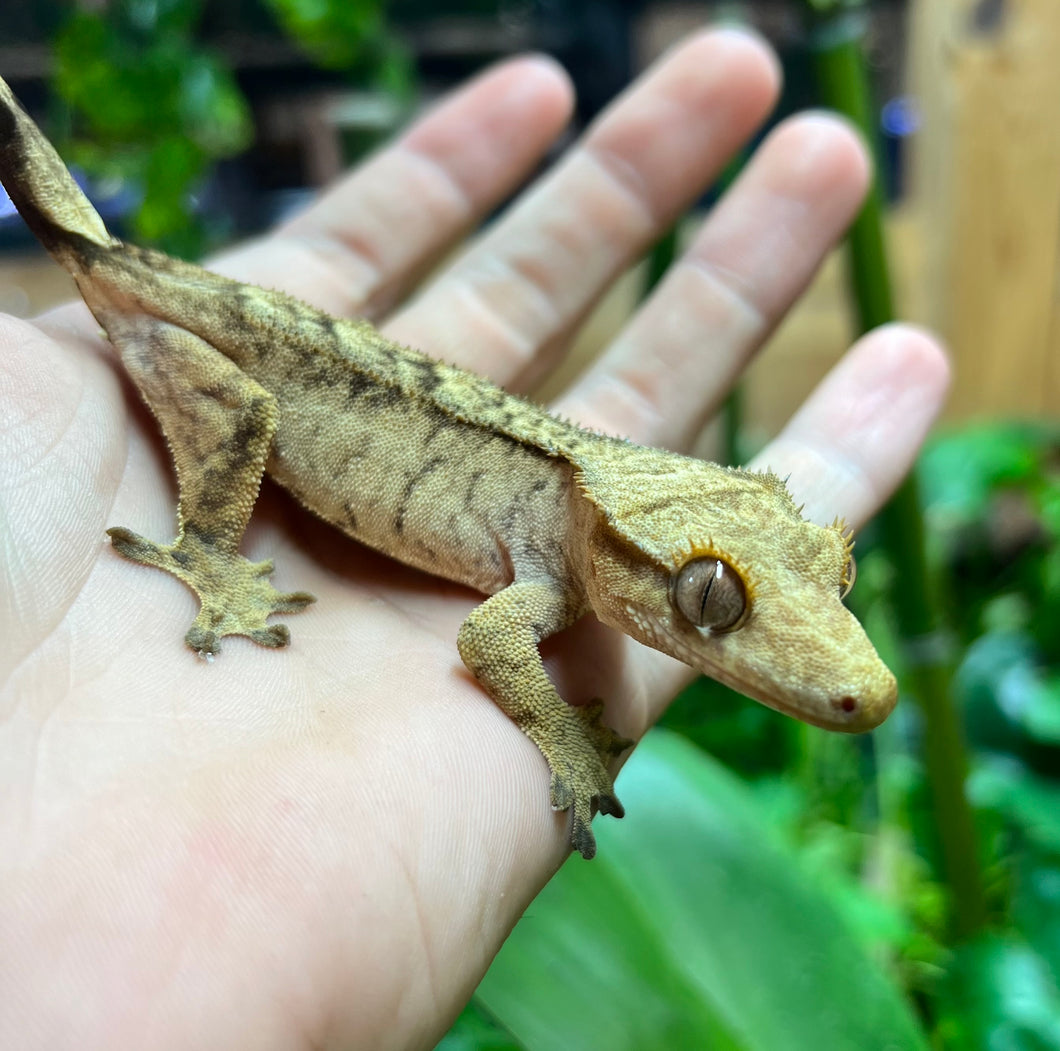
(219, 424)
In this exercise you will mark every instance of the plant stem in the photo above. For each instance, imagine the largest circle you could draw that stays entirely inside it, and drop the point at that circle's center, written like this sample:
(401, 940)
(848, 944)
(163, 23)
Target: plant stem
(835, 42)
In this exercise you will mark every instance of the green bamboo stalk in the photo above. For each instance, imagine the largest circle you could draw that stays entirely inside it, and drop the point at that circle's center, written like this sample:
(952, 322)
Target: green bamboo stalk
(836, 30)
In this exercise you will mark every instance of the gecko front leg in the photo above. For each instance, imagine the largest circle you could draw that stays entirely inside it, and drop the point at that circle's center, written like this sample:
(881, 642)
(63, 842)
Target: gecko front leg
(219, 424)
(498, 643)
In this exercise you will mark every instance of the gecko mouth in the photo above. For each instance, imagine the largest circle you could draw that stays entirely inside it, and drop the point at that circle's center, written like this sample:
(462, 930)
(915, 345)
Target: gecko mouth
(843, 712)
(846, 707)
(847, 711)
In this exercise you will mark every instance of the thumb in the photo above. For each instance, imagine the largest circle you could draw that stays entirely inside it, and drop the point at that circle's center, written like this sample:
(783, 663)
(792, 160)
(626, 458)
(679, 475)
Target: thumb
(61, 455)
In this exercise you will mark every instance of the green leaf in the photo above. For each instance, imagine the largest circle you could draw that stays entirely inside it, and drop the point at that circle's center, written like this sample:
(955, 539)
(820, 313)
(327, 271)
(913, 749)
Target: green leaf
(154, 17)
(1001, 680)
(1036, 906)
(1027, 801)
(693, 927)
(334, 32)
(824, 8)
(212, 108)
(172, 165)
(474, 1030)
(1000, 994)
(960, 471)
(1042, 718)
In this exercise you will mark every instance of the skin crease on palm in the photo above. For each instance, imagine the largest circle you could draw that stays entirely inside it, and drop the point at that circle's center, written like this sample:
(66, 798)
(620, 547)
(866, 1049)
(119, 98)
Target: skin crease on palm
(325, 846)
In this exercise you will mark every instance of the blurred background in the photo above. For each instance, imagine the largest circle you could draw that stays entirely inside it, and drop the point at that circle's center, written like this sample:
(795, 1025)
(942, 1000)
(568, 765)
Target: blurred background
(773, 886)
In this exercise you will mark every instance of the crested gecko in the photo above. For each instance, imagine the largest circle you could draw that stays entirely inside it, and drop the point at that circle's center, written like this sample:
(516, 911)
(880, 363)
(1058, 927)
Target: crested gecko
(446, 472)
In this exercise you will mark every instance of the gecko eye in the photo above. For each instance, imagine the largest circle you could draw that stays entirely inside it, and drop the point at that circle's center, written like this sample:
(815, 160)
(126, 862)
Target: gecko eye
(850, 574)
(710, 594)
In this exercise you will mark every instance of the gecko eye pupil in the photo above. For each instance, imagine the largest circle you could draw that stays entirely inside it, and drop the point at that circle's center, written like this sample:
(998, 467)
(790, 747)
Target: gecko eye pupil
(710, 594)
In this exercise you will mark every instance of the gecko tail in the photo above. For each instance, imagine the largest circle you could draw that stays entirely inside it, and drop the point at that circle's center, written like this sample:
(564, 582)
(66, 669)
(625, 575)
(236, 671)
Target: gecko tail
(42, 189)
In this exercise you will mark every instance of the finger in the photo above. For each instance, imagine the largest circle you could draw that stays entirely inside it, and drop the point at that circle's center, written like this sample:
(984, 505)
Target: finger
(856, 437)
(363, 242)
(755, 254)
(845, 450)
(517, 293)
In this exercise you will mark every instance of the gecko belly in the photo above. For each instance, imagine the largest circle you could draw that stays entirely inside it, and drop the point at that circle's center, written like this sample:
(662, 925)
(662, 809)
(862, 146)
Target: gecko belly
(409, 480)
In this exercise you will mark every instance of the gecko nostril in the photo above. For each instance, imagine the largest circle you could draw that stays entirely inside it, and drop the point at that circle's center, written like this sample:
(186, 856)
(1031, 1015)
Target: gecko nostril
(847, 704)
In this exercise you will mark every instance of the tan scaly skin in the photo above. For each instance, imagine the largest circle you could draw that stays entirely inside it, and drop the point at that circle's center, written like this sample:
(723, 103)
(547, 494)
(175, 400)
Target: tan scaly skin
(441, 469)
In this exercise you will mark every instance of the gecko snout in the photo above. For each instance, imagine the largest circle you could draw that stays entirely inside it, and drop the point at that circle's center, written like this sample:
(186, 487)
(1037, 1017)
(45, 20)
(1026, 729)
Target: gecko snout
(855, 711)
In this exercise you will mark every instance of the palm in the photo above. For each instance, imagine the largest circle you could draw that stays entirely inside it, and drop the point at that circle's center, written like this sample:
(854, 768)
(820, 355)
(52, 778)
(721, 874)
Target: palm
(327, 844)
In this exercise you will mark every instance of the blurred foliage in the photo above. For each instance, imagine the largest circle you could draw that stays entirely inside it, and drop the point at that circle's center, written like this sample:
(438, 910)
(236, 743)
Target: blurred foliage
(704, 925)
(349, 35)
(155, 109)
(829, 8)
(149, 107)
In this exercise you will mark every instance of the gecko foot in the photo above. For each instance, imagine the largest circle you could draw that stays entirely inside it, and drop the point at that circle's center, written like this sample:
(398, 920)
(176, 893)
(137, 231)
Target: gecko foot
(604, 739)
(235, 593)
(585, 797)
(581, 781)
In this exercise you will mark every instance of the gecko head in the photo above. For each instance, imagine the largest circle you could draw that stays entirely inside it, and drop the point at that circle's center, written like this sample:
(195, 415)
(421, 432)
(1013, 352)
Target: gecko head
(718, 568)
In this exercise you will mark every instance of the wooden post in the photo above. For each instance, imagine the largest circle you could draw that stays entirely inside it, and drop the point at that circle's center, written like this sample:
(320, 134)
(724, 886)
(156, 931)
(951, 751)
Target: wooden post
(986, 177)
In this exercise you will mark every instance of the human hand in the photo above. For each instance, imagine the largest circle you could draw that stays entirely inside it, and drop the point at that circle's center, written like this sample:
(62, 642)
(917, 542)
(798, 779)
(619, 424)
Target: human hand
(325, 846)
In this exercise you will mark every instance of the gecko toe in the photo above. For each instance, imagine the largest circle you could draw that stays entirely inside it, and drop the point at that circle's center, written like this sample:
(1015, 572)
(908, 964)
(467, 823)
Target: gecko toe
(136, 548)
(561, 794)
(275, 636)
(582, 838)
(292, 602)
(586, 789)
(123, 538)
(203, 641)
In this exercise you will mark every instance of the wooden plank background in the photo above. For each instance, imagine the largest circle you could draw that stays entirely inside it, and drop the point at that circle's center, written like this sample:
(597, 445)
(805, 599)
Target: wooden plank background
(986, 175)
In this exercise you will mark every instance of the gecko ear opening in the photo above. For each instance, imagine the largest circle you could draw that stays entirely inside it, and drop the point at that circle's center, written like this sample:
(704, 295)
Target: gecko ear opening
(709, 593)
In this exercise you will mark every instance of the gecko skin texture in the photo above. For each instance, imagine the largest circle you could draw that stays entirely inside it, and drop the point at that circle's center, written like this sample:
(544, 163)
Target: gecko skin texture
(442, 470)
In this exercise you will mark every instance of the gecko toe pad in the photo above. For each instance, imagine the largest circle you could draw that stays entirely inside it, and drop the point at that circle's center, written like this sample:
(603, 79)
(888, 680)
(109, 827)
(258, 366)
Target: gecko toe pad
(136, 548)
(582, 838)
(581, 832)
